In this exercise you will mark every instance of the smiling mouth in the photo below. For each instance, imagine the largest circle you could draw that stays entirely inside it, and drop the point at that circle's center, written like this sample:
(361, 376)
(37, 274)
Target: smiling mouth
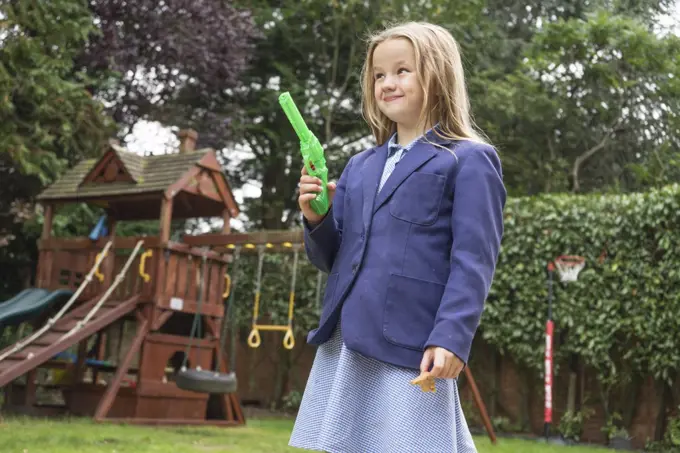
(391, 98)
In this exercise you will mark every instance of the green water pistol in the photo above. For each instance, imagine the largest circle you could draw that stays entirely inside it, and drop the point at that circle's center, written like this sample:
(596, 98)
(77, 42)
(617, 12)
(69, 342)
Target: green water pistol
(312, 152)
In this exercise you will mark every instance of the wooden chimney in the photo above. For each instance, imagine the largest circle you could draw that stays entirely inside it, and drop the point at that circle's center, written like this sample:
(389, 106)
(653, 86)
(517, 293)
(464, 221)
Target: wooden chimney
(187, 140)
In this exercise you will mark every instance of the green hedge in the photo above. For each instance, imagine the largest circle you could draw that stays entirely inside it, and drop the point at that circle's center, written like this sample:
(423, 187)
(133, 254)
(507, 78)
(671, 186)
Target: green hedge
(624, 310)
(622, 316)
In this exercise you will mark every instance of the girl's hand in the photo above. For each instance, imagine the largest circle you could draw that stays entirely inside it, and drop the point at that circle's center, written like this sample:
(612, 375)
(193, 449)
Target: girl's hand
(309, 187)
(444, 363)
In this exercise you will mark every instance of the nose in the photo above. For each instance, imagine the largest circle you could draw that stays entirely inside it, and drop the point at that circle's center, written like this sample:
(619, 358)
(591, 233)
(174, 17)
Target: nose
(389, 83)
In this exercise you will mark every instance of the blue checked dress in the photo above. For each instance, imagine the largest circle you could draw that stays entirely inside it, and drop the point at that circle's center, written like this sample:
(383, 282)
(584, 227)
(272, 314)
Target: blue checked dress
(357, 404)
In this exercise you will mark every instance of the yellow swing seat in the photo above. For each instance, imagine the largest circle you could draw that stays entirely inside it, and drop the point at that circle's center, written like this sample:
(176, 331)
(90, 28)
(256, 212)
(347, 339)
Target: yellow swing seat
(254, 339)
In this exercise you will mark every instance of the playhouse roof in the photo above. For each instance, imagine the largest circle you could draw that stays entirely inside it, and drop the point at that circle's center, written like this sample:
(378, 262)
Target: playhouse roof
(133, 185)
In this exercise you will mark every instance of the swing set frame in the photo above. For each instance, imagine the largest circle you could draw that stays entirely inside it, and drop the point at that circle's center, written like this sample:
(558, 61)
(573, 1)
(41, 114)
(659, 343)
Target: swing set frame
(261, 243)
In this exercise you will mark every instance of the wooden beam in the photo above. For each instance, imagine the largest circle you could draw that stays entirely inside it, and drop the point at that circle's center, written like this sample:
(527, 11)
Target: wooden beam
(47, 224)
(480, 405)
(188, 249)
(111, 225)
(210, 162)
(45, 262)
(226, 219)
(273, 237)
(110, 394)
(83, 243)
(203, 185)
(207, 186)
(165, 220)
(176, 187)
(226, 193)
(161, 317)
(190, 306)
(106, 199)
(98, 167)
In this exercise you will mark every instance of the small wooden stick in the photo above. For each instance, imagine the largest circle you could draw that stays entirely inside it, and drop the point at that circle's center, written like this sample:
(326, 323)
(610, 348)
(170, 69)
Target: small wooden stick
(426, 382)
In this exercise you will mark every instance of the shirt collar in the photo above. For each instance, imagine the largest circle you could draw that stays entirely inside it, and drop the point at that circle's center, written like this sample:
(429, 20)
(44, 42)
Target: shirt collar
(393, 146)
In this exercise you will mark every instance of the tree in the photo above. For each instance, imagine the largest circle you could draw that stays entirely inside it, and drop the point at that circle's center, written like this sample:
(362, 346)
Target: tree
(48, 119)
(592, 97)
(169, 61)
(315, 50)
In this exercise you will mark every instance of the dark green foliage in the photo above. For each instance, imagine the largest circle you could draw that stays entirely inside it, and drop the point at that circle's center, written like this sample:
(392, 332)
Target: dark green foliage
(622, 317)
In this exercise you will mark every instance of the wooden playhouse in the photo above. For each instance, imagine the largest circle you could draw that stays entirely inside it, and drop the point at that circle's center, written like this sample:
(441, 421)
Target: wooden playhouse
(151, 283)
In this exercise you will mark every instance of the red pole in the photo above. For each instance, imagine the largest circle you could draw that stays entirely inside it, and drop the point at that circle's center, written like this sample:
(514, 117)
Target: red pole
(549, 328)
(548, 375)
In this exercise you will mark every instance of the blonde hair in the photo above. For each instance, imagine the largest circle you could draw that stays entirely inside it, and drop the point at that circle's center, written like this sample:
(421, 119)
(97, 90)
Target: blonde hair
(440, 73)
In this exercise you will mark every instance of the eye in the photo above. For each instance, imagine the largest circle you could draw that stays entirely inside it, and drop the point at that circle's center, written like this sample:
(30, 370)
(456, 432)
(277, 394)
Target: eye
(377, 75)
(402, 70)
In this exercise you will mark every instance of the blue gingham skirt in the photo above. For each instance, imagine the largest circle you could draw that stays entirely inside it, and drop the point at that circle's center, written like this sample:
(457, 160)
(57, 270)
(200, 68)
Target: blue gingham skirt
(356, 404)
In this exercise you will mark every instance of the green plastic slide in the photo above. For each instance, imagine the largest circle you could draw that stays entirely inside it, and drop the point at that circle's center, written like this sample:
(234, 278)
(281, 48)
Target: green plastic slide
(30, 303)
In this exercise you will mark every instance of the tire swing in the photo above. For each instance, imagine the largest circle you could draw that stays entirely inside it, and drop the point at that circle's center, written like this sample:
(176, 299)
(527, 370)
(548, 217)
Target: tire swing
(254, 339)
(197, 379)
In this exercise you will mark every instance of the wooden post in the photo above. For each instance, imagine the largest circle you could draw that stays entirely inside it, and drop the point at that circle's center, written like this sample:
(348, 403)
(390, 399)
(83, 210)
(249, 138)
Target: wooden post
(111, 225)
(31, 388)
(49, 218)
(45, 257)
(158, 280)
(165, 220)
(80, 367)
(226, 216)
(110, 394)
(232, 406)
(480, 405)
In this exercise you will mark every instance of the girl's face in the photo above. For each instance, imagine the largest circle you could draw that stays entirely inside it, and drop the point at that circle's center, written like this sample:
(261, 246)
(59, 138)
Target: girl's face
(397, 91)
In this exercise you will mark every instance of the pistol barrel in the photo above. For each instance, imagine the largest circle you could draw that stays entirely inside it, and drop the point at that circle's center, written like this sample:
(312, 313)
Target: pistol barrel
(294, 116)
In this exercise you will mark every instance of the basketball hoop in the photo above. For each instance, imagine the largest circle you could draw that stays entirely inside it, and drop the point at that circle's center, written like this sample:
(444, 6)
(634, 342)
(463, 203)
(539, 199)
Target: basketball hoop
(569, 266)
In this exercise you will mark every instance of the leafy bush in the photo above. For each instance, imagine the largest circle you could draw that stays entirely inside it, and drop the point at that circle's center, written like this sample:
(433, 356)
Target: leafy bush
(622, 316)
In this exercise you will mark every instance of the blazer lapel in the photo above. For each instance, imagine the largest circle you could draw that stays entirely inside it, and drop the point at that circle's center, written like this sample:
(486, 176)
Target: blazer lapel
(414, 158)
(370, 174)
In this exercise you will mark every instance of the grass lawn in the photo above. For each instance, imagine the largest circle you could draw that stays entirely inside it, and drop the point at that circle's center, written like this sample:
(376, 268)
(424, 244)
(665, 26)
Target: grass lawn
(29, 435)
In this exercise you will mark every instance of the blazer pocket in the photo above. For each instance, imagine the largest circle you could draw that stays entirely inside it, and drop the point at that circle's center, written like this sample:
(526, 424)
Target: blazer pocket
(418, 198)
(410, 310)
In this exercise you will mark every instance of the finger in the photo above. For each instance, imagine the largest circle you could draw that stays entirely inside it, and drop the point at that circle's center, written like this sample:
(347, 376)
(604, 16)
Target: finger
(439, 364)
(304, 170)
(307, 188)
(426, 361)
(460, 366)
(332, 186)
(306, 197)
(450, 368)
(457, 368)
(309, 179)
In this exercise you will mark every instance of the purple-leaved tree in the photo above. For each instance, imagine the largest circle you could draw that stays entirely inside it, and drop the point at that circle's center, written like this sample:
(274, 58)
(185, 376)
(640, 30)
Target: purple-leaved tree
(157, 59)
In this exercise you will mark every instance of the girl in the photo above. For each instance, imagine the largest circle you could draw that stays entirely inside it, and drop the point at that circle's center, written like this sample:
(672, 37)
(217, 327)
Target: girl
(410, 244)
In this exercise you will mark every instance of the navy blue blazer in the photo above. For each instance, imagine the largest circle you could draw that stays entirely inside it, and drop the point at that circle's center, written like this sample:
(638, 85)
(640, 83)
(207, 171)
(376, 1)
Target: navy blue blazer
(410, 266)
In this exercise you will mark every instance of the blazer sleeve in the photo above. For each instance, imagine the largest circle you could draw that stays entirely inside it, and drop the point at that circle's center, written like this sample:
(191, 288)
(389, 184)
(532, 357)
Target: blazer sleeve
(322, 240)
(477, 223)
